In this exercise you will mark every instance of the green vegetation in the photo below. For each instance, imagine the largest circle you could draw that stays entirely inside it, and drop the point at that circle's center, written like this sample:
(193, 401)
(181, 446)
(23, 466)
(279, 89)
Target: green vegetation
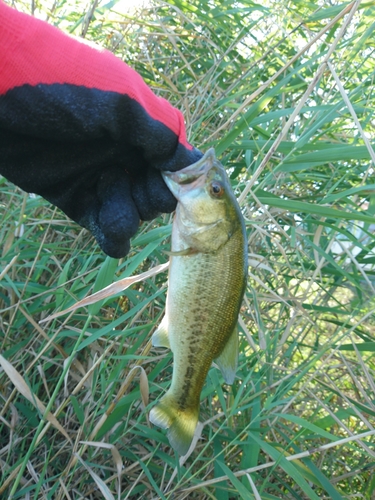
(284, 91)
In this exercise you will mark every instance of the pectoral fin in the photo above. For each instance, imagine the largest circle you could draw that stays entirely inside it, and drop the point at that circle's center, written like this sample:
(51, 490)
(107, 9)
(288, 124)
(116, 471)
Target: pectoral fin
(227, 361)
(160, 336)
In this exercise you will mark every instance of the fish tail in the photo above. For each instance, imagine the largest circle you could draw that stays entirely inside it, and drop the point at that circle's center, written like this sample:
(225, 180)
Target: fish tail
(181, 423)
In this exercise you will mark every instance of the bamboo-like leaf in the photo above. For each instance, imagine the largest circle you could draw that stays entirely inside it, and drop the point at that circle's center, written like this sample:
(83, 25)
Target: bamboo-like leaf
(308, 425)
(288, 467)
(239, 487)
(316, 209)
(362, 347)
(104, 278)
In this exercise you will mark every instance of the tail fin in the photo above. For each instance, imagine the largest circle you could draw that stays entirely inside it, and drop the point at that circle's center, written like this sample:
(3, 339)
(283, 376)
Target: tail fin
(181, 424)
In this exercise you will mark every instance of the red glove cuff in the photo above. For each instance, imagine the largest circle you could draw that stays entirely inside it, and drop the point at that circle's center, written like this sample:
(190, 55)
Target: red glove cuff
(34, 52)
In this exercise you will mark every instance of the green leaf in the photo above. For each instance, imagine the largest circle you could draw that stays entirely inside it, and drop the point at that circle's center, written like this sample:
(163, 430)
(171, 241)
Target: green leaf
(308, 426)
(78, 409)
(104, 278)
(362, 347)
(239, 487)
(327, 13)
(60, 293)
(334, 153)
(288, 467)
(313, 208)
(111, 328)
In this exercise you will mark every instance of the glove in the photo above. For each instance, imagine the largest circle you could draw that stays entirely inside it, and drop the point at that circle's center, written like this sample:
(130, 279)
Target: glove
(82, 129)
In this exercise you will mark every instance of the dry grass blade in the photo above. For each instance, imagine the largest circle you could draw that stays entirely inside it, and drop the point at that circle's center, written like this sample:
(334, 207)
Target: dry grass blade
(129, 379)
(124, 387)
(99, 482)
(8, 267)
(9, 480)
(143, 383)
(116, 458)
(254, 488)
(110, 290)
(23, 389)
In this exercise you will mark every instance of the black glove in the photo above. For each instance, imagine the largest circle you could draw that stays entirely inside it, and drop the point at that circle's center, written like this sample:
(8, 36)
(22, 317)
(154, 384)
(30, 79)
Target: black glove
(82, 129)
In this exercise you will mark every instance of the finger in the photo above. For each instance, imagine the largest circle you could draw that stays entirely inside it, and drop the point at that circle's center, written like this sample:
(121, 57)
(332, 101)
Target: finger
(181, 158)
(117, 218)
(151, 195)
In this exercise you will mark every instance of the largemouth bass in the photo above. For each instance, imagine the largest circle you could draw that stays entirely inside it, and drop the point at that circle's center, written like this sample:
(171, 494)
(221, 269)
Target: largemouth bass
(207, 278)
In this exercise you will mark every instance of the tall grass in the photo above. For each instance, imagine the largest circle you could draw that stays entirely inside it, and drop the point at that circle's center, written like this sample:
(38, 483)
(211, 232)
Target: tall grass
(284, 92)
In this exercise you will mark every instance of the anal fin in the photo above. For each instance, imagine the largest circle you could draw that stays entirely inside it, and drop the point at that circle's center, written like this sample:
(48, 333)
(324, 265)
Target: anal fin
(160, 336)
(227, 361)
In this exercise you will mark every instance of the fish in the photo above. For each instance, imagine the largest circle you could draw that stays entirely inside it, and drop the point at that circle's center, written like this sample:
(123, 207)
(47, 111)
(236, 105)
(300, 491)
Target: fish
(206, 284)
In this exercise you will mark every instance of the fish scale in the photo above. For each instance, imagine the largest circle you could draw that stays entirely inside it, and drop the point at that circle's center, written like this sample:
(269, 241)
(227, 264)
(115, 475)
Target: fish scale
(195, 319)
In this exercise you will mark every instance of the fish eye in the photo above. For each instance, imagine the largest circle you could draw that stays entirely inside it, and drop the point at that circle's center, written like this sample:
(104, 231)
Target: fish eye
(216, 189)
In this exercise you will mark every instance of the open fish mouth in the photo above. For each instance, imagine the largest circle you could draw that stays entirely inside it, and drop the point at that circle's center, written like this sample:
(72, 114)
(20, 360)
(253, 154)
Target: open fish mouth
(193, 176)
(195, 170)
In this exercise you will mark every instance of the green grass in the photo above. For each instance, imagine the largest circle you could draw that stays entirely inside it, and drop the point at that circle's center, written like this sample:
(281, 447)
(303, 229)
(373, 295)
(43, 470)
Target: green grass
(291, 425)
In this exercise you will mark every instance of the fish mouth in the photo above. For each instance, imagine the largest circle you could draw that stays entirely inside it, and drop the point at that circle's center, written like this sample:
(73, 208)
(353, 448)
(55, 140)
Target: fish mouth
(193, 176)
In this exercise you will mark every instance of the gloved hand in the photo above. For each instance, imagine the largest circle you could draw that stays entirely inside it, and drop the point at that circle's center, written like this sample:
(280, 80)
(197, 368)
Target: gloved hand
(83, 130)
